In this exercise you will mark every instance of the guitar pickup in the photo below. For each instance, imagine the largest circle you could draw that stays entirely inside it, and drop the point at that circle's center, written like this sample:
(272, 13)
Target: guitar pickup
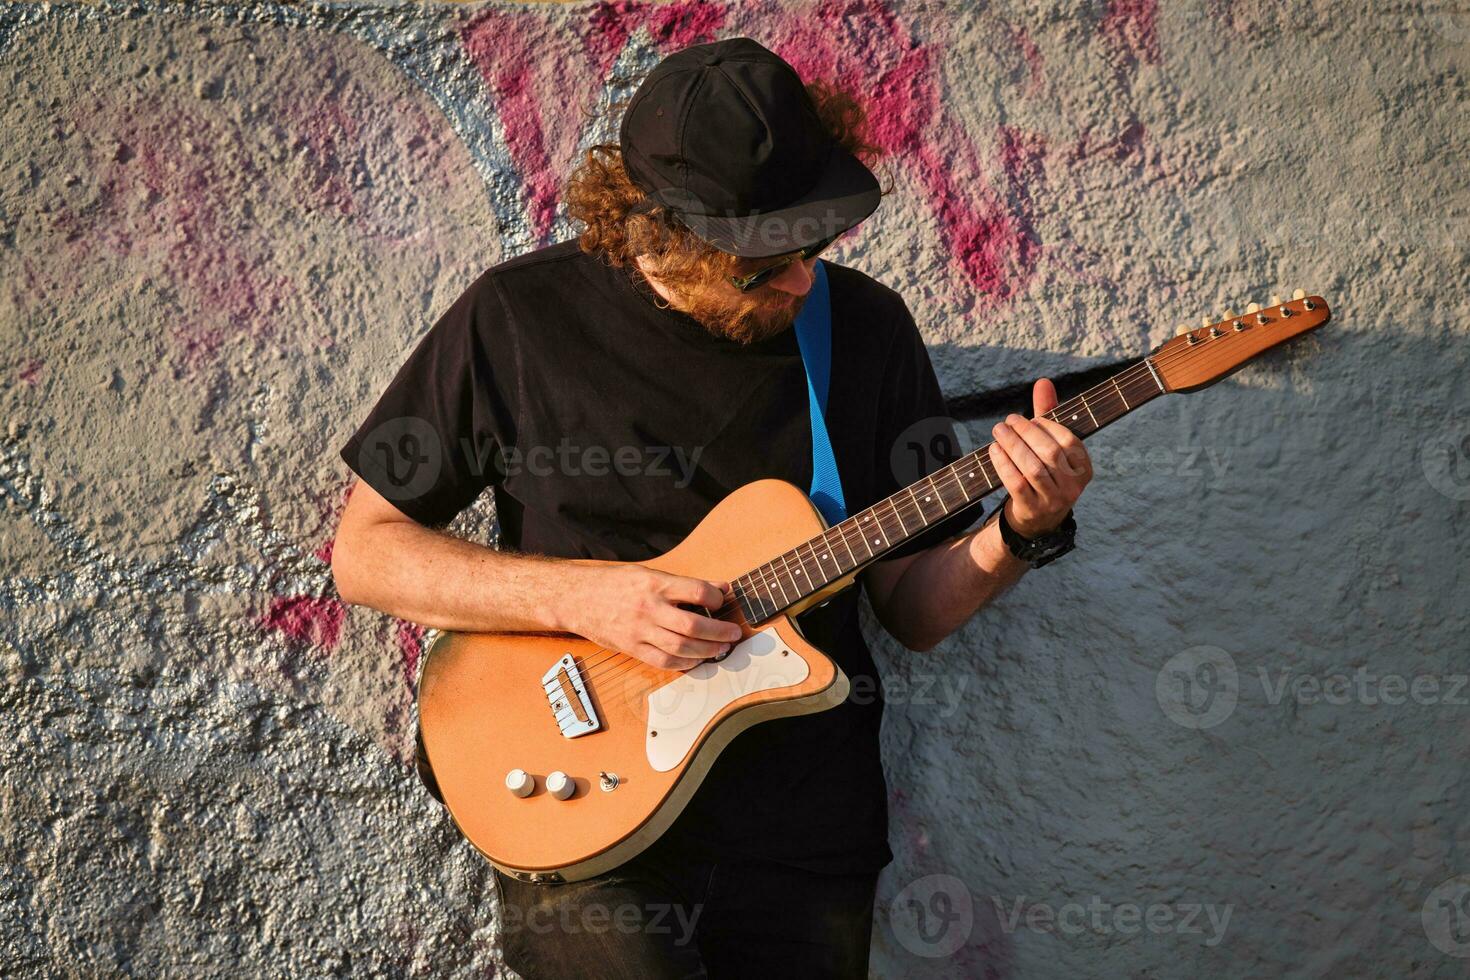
(570, 703)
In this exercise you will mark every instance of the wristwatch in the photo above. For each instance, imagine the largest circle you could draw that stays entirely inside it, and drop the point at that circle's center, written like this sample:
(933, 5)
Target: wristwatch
(1043, 548)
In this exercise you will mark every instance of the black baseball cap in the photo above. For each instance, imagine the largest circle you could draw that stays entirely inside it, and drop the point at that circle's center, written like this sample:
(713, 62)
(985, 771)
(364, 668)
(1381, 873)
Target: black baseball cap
(725, 137)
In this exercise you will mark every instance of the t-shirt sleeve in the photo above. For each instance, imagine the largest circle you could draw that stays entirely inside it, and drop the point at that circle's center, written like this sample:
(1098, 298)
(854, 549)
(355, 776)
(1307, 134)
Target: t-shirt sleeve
(433, 441)
(917, 436)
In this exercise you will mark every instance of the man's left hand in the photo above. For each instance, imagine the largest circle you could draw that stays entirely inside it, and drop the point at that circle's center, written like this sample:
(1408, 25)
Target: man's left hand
(1043, 465)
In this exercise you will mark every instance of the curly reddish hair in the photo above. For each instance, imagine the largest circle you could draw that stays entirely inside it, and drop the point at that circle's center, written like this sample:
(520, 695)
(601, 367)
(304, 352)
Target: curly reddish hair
(600, 196)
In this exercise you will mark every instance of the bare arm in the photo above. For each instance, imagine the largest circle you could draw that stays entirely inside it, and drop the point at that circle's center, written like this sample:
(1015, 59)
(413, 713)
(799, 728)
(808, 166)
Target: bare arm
(384, 559)
(920, 599)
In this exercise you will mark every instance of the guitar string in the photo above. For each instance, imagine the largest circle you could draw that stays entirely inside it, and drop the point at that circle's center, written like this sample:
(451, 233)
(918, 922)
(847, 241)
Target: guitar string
(631, 689)
(1129, 376)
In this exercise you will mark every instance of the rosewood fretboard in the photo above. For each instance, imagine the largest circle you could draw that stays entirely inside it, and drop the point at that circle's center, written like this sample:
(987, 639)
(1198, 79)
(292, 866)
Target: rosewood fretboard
(869, 534)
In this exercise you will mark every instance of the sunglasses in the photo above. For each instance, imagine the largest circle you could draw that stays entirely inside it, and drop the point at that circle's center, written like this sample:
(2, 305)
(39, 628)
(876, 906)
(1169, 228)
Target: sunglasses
(756, 279)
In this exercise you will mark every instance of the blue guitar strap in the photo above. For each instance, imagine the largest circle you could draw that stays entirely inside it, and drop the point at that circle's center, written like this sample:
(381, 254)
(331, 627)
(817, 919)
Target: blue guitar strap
(814, 337)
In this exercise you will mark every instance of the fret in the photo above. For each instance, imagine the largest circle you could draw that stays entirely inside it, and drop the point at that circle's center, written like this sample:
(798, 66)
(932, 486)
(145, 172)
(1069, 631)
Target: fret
(786, 561)
(879, 522)
(801, 565)
(776, 576)
(843, 535)
(958, 482)
(882, 527)
(804, 567)
(1120, 394)
(899, 514)
(827, 555)
(1090, 414)
(768, 575)
(1151, 370)
(756, 612)
(935, 492)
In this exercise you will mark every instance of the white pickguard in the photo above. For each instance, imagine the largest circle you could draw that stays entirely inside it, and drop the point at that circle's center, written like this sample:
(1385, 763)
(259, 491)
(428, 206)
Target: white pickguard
(682, 708)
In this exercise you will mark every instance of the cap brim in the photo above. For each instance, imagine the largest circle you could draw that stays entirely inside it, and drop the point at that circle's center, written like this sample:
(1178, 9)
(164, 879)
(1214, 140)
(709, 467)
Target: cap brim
(846, 193)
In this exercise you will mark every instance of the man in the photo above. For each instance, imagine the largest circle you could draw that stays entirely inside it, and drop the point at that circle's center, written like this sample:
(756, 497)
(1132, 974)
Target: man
(611, 390)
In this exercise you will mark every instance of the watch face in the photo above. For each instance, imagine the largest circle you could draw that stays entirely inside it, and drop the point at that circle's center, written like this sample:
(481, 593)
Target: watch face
(1045, 547)
(1053, 545)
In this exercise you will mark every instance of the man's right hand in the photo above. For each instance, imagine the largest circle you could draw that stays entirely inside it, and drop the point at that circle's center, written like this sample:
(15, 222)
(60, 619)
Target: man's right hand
(635, 610)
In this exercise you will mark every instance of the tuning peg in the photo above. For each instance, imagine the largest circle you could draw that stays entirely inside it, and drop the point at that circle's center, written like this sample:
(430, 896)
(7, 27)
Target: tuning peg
(1182, 329)
(1204, 321)
(1299, 294)
(1253, 308)
(1275, 299)
(1229, 315)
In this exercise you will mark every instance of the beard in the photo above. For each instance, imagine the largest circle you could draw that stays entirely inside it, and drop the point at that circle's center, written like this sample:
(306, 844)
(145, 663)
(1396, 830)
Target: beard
(759, 315)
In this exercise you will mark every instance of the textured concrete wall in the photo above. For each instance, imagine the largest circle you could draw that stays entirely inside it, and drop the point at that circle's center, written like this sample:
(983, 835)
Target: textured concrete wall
(1227, 737)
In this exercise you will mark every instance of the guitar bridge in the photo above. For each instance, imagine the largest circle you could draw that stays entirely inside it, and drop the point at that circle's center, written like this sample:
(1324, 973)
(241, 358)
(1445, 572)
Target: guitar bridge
(570, 703)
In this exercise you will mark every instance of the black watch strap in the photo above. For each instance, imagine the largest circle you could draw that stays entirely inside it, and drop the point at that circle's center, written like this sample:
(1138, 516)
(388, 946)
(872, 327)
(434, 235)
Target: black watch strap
(1043, 548)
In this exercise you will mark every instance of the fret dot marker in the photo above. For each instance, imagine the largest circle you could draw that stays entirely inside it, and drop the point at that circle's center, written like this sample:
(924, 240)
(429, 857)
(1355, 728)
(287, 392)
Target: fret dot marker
(875, 540)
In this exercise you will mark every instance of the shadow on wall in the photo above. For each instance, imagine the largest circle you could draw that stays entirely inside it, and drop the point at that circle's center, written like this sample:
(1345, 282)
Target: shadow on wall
(1222, 737)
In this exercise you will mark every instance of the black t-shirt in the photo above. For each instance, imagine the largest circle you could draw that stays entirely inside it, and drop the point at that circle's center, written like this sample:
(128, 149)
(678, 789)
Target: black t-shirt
(609, 427)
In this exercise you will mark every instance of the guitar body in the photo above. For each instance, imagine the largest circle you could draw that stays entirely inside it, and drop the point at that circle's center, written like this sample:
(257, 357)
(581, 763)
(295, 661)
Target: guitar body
(560, 760)
(484, 710)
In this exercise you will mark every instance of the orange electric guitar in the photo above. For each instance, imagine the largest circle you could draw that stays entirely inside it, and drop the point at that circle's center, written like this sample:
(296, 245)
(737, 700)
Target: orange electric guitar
(559, 759)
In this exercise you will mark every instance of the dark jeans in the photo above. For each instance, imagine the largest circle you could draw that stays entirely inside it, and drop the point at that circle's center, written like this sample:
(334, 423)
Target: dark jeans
(664, 915)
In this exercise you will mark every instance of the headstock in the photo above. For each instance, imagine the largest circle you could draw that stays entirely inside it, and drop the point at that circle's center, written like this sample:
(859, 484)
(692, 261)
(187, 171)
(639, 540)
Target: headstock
(1201, 356)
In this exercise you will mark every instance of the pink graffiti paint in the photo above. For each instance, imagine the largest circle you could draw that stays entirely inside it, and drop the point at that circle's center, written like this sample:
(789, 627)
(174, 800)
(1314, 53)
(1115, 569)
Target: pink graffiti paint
(1031, 55)
(866, 49)
(410, 639)
(167, 178)
(313, 620)
(545, 80)
(1131, 27)
(30, 371)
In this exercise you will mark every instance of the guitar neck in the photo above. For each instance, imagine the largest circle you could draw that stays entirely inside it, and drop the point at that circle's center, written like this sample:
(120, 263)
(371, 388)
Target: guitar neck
(847, 546)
